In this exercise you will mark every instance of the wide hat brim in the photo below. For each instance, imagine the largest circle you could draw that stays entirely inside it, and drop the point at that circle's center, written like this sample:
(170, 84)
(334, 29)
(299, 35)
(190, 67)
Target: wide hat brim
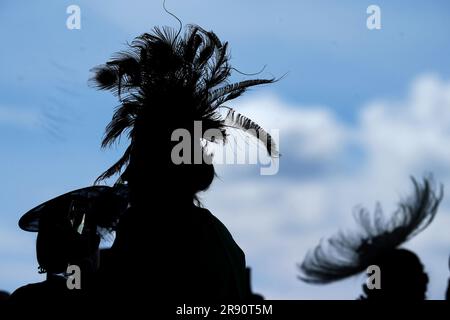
(109, 204)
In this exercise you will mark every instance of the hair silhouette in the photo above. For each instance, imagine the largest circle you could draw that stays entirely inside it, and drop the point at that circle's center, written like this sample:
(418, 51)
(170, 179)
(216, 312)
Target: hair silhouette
(376, 243)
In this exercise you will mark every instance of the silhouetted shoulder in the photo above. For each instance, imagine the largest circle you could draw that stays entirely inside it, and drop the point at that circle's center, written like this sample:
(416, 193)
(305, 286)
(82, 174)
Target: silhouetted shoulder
(222, 242)
(22, 294)
(41, 292)
(217, 225)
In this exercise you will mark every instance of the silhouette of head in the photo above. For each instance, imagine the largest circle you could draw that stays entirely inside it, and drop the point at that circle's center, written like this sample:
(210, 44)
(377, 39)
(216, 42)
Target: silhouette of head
(63, 240)
(155, 170)
(402, 277)
(69, 226)
(376, 243)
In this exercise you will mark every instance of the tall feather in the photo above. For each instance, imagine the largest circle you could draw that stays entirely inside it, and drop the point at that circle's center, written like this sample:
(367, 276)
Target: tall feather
(236, 120)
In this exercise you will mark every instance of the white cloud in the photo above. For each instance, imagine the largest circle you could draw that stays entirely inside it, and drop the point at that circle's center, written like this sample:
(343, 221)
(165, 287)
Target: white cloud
(313, 131)
(410, 135)
(277, 219)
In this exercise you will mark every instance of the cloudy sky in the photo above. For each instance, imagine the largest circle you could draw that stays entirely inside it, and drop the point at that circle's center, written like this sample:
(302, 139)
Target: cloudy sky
(359, 112)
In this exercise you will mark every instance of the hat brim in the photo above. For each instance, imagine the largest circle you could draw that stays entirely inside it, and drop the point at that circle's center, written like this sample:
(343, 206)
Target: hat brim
(107, 200)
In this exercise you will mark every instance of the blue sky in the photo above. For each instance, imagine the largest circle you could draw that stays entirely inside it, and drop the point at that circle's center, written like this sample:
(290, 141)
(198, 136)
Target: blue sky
(359, 111)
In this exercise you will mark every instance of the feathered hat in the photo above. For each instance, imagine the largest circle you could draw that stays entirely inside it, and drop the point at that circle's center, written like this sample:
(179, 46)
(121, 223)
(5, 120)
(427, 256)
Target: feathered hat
(101, 206)
(347, 254)
(168, 81)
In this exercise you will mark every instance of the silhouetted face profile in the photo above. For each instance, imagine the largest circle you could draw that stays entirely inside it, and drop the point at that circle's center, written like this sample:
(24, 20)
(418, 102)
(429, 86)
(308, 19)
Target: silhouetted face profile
(402, 277)
(152, 168)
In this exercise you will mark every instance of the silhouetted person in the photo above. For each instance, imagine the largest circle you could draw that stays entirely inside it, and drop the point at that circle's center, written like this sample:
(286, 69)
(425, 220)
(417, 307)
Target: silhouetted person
(166, 241)
(402, 275)
(68, 235)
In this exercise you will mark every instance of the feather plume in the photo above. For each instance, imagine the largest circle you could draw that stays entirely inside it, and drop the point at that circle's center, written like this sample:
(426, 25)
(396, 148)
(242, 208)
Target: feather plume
(176, 79)
(236, 120)
(347, 254)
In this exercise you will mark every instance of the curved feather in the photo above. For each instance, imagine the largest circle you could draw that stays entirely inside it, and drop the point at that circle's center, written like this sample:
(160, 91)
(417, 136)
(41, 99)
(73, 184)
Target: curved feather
(236, 120)
(116, 167)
